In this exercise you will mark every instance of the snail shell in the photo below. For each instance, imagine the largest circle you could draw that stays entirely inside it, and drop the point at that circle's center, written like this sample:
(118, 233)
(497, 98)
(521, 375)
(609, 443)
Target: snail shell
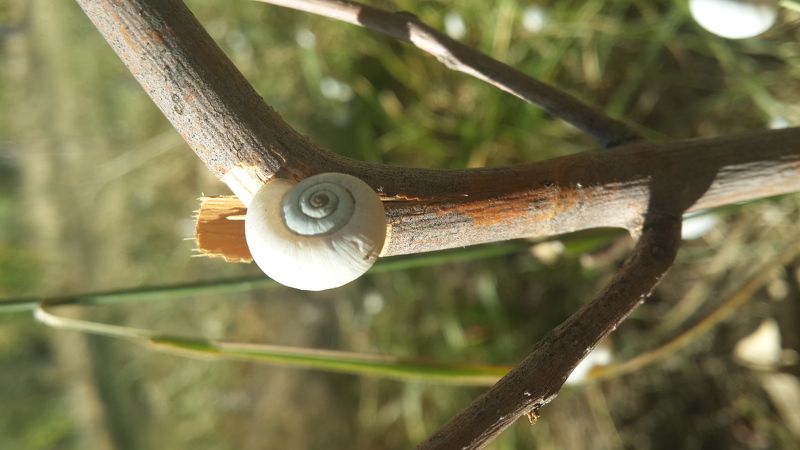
(320, 233)
(735, 19)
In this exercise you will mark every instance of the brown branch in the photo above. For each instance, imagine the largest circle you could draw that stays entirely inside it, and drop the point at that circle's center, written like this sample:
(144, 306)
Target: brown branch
(586, 190)
(214, 108)
(245, 143)
(537, 379)
(459, 57)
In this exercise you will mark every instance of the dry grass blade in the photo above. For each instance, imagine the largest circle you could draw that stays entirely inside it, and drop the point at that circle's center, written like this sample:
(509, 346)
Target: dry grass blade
(734, 300)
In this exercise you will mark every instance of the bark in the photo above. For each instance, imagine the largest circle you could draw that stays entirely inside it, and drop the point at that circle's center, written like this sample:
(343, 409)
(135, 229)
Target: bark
(644, 187)
(433, 210)
(245, 143)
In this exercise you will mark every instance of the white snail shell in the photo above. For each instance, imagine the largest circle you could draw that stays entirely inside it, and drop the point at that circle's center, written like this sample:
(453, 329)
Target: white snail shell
(735, 19)
(320, 233)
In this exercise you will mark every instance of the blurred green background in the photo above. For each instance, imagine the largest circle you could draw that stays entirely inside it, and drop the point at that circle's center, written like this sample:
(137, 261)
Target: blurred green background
(97, 192)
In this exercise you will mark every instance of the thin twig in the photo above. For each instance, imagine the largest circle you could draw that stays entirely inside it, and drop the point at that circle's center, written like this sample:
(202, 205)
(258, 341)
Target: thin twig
(407, 27)
(536, 380)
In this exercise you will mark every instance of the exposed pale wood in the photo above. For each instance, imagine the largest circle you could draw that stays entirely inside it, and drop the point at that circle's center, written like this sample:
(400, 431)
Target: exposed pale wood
(219, 230)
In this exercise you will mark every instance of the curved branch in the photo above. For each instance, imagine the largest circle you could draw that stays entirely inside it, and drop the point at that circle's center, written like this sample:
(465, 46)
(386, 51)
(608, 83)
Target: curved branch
(434, 210)
(459, 57)
(241, 140)
(244, 143)
(537, 379)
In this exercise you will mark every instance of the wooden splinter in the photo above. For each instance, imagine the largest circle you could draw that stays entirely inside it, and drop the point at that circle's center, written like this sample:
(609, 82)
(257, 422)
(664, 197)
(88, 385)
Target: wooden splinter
(219, 230)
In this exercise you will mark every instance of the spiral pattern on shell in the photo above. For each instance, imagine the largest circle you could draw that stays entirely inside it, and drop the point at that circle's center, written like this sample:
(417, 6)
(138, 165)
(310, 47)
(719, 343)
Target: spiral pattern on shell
(317, 207)
(318, 234)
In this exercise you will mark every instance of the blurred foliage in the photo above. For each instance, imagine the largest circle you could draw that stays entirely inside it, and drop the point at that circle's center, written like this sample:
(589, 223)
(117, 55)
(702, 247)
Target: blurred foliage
(97, 192)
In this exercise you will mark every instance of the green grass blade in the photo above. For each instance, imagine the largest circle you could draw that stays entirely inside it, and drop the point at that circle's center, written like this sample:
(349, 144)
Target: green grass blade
(169, 291)
(299, 357)
(335, 361)
(246, 284)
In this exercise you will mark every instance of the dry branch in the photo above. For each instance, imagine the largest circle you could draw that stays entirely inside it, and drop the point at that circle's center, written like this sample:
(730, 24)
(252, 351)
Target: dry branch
(457, 56)
(643, 187)
(245, 143)
(445, 209)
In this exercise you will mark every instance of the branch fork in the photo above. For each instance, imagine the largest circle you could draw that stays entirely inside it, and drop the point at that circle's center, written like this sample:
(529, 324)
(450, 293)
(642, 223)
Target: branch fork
(641, 186)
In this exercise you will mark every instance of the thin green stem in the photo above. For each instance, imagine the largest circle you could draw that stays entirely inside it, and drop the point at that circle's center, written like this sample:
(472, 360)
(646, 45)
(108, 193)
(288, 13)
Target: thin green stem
(168, 291)
(299, 357)
(247, 284)
(335, 361)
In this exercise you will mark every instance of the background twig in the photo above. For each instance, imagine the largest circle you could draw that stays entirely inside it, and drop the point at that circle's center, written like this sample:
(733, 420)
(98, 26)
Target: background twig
(457, 56)
(742, 294)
